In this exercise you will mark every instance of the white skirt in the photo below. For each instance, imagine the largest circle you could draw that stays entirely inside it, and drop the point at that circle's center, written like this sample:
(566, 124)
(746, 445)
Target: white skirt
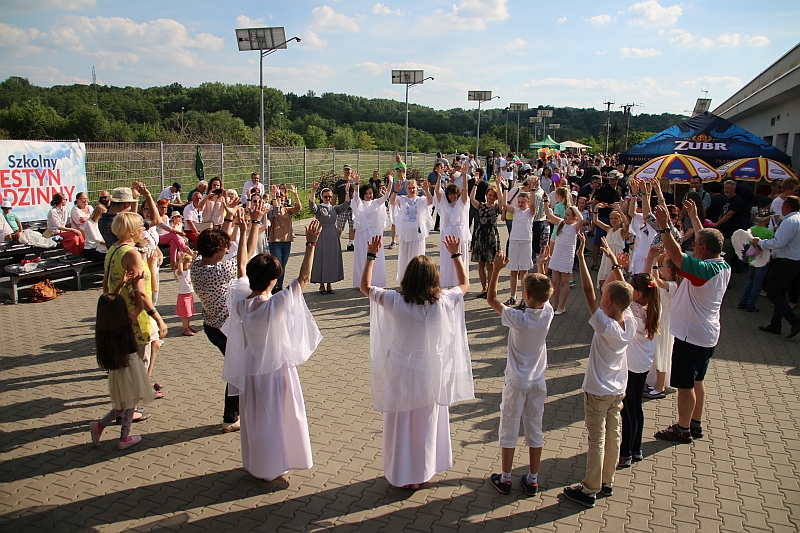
(520, 256)
(408, 251)
(360, 259)
(274, 426)
(447, 269)
(416, 445)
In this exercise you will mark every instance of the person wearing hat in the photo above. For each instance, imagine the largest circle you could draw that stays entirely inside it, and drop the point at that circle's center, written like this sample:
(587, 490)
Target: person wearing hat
(758, 274)
(11, 218)
(172, 194)
(340, 189)
(122, 200)
(6, 233)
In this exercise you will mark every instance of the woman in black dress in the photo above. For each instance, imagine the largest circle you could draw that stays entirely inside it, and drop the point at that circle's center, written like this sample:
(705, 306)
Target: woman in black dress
(486, 239)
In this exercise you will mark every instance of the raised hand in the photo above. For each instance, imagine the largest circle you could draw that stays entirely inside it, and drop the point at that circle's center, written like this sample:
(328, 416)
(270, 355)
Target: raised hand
(397, 185)
(258, 209)
(624, 260)
(293, 189)
(634, 185)
(424, 185)
(581, 246)
(374, 244)
(690, 207)
(605, 248)
(662, 216)
(653, 252)
(500, 259)
(452, 243)
(314, 185)
(313, 230)
(232, 201)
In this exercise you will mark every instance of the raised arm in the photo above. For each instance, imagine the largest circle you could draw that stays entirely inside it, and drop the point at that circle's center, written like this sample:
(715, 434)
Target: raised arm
(475, 203)
(258, 208)
(586, 279)
(670, 244)
(465, 191)
(373, 246)
(646, 194)
(616, 264)
(230, 208)
(453, 245)
(426, 188)
(395, 186)
(599, 223)
(312, 234)
(659, 193)
(500, 260)
(551, 218)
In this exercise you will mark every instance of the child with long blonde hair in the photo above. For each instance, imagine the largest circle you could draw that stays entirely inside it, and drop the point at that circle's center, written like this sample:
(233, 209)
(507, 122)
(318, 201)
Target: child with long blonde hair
(184, 308)
(616, 235)
(668, 280)
(563, 255)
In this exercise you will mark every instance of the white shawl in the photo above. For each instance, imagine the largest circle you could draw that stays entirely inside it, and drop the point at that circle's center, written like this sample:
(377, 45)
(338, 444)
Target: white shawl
(412, 225)
(742, 238)
(370, 213)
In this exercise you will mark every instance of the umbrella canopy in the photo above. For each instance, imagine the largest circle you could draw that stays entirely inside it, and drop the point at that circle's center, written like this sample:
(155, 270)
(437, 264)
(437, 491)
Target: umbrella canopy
(574, 145)
(677, 168)
(708, 137)
(198, 164)
(547, 142)
(756, 168)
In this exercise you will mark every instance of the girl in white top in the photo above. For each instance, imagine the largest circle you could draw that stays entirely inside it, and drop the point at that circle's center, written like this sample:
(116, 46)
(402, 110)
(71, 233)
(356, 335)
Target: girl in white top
(93, 237)
(453, 207)
(616, 235)
(520, 240)
(185, 306)
(668, 280)
(412, 218)
(80, 211)
(563, 253)
(369, 219)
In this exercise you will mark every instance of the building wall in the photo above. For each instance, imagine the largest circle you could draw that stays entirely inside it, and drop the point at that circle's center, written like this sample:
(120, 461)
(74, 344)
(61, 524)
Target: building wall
(778, 124)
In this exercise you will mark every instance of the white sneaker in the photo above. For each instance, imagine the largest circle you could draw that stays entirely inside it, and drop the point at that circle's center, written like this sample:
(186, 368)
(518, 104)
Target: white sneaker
(227, 427)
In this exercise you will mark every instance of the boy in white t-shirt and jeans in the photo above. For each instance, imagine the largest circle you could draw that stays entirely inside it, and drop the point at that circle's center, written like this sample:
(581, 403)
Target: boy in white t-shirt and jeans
(525, 390)
(606, 377)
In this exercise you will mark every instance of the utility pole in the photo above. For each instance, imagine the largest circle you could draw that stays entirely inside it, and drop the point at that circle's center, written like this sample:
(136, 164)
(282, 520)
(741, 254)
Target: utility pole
(94, 84)
(608, 124)
(626, 109)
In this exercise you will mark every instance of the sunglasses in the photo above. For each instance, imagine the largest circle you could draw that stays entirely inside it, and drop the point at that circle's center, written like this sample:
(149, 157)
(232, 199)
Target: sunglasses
(103, 197)
(327, 196)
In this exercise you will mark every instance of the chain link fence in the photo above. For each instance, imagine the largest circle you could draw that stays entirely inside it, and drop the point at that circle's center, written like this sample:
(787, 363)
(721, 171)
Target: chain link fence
(158, 165)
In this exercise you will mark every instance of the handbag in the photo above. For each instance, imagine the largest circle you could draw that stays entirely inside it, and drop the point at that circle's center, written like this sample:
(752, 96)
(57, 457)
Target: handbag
(43, 291)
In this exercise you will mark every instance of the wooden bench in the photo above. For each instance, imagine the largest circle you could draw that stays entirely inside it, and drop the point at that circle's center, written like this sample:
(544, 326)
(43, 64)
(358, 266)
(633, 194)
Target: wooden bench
(48, 268)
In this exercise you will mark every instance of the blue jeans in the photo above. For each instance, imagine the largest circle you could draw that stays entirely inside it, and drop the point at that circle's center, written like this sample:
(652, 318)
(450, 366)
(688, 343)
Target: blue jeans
(753, 287)
(281, 251)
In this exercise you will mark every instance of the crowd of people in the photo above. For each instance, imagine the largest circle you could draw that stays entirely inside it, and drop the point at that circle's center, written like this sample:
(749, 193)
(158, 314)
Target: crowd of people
(663, 266)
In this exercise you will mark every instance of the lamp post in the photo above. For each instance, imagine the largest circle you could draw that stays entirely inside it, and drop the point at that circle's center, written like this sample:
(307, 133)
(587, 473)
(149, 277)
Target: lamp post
(409, 78)
(506, 139)
(480, 97)
(544, 113)
(517, 108)
(181, 120)
(266, 41)
(281, 120)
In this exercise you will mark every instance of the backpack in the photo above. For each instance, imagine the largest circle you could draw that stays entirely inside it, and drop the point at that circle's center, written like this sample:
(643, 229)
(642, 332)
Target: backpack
(43, 291)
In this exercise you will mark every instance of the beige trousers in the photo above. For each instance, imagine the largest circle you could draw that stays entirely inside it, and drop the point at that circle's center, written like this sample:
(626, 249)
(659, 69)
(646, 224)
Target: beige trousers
(601, 414)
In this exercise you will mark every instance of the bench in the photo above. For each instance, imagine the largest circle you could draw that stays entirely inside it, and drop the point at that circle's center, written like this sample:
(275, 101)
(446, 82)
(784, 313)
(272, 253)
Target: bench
(47, 268)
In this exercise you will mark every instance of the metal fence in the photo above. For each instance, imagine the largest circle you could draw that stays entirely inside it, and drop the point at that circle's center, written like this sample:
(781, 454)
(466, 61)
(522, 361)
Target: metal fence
(158, 165)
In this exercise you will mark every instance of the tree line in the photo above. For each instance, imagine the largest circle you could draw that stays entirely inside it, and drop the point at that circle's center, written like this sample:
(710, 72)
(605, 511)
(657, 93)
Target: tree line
(223, 113)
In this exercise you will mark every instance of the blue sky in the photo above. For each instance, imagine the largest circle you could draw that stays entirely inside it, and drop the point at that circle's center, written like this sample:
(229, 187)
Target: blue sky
(658, 53)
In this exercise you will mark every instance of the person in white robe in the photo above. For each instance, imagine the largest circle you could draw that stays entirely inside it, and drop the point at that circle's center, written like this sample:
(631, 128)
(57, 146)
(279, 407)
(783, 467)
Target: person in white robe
(453, 208)
(269, 336)
(370, 219)
(412, 218)
(419, 365)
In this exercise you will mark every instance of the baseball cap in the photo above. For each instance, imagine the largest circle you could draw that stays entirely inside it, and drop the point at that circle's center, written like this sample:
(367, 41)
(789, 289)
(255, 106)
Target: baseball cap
(177, 186)
(348, 167)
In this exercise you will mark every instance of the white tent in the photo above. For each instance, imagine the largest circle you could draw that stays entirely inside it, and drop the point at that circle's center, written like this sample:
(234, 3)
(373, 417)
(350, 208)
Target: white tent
(574, 145)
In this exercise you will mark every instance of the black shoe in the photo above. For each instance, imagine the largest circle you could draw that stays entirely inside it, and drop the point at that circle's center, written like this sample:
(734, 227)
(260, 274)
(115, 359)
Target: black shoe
(771, 329)
(497, 482)
(530, 488)
(607, 489)
(350, 248)
(752, 309)
(696, 431)
(741, 305)
(795, 331)
(637, 456)
(576, 494)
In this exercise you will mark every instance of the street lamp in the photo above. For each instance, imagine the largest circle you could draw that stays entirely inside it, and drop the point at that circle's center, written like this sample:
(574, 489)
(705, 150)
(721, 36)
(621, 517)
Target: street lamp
(544, 113)
(506, 139)
(409, 78)
(266, 41)
(281, 119)
(517, 108)
(480, 97)
(181, 120)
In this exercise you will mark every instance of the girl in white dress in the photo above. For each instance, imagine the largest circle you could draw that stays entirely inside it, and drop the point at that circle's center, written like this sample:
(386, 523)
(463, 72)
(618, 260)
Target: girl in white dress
(369, 219)
(269, 336)
(412, 218)
(563, 255)
(668, 280)
(520, 240)
(453, 207)
(616, 235)
(419, 365)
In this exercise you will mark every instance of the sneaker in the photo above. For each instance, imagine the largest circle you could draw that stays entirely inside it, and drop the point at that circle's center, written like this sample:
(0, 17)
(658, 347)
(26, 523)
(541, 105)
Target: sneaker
(752, 309)
(572, 283)
(228, 427)
(522, 306)
(674, 434)
(511, 301)
(654, 395)
(624, 462)
(576, 494)
(350, 248)
(607, 489)
(96, 428)
(531, 489)
(503, 487)
(637, 456)
(132, 440)
(741, 305)
(696, 432)
(391, 246)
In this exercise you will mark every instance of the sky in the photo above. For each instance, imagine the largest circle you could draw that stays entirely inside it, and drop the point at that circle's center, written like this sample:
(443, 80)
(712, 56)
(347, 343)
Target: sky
(658, 54)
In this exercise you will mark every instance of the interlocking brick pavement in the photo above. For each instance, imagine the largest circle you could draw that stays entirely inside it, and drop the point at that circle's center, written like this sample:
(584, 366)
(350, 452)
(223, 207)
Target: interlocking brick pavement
(186, 475)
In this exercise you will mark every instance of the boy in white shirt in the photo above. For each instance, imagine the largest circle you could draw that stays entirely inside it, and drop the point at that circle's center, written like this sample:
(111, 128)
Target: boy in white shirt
(525, 390)
(606, 376)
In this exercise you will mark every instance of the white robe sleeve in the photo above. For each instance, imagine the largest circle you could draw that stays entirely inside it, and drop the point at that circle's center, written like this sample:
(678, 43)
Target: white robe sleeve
(266, 334)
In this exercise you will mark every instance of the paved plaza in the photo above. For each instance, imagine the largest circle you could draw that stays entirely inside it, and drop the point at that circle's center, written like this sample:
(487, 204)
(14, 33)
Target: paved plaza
(186, 475)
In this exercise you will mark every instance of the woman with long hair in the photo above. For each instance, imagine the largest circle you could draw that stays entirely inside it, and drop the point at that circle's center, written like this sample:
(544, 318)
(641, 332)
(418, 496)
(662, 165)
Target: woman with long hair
(486, 240)
(419, 364)
(453, 207)
(370, 219)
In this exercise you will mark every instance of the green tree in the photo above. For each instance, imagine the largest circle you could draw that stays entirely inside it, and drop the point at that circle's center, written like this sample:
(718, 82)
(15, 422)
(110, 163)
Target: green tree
(315, 137)
(88, 124)
(365, 142)
(278, 137)
(31, 120)
(343, 138)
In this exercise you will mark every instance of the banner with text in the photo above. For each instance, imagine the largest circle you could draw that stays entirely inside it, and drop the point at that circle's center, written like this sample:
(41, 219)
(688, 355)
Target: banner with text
(31, 172)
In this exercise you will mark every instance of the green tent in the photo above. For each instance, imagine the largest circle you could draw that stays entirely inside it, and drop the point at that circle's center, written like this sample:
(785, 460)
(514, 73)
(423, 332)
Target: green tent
(548, 142)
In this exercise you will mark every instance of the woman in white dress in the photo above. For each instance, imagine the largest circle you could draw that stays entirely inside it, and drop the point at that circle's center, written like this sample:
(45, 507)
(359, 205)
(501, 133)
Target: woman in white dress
(370, 219)
(419, 365)
(412, 218)
(453, 207)
(269, 336)
(80, 212)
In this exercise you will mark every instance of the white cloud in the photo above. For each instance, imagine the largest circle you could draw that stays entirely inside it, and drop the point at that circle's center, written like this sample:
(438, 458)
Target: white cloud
(517, 45)
(469, 14)
(638, 52)
(312, 41)
(758, 40)
(45, 5)
(727, 39)
(327, 19)
(47, 75)
(380, 9)
(598, 52)
(651, 13)
(18, 42)
(600, 19)
(369, 68)
(685, 39)
(562, 20)
(243, 21)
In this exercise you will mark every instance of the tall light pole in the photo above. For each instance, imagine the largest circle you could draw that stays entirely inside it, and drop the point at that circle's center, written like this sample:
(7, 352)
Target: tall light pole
(506, 138)
(409, 78)
(266, 41)
(281, 123)
(480, 97)
(181, 120)
(517, 108)
(544, 114)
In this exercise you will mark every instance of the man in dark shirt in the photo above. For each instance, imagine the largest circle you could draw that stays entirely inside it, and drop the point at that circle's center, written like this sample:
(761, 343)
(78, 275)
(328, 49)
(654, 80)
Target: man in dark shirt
(606, 194)
(593, 170)
(122, 199)
(480, 196)
(718, 199)
(588, 190)
(733, 213)
(340, 190)
(490, 164)
(433, 180)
